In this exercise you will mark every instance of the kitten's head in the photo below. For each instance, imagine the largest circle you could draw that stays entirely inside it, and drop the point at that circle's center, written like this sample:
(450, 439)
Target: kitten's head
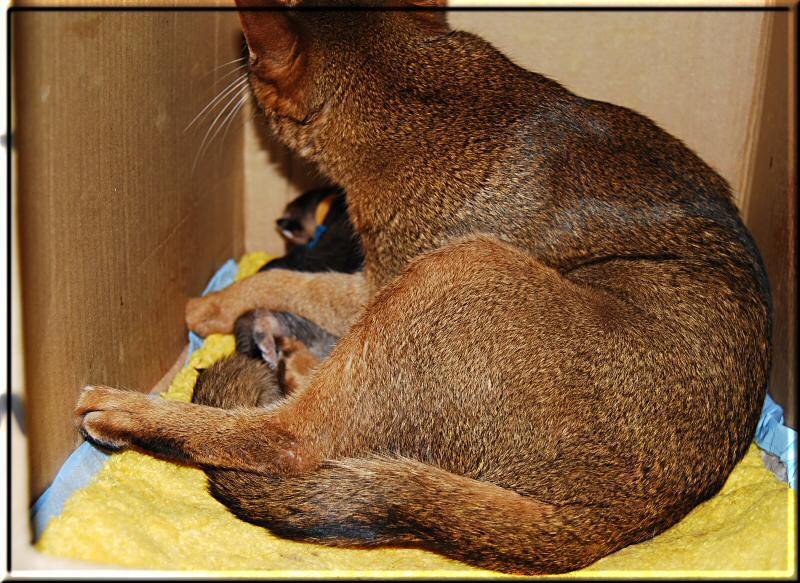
(305, 61)
(299, 220)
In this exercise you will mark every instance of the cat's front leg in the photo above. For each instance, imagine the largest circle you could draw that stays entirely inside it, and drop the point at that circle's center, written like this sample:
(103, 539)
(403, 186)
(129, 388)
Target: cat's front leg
(331, 300)
(108, 417)
(245, 439)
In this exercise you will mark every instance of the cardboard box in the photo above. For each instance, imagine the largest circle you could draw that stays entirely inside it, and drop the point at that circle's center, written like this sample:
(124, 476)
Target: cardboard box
(121, 213)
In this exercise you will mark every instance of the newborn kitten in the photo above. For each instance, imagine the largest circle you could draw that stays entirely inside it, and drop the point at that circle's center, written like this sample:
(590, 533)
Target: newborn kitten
(319, 235)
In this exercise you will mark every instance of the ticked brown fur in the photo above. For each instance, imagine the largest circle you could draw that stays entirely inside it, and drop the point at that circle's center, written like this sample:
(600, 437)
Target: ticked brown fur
(559, 344)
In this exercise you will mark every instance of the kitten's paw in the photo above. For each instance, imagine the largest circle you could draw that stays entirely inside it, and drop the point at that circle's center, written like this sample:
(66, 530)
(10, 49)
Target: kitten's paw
(206, 315)
(110, 417)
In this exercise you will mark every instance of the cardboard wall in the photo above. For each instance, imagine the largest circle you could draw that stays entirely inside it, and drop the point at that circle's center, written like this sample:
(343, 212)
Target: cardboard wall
(116, 228)
(771, 210)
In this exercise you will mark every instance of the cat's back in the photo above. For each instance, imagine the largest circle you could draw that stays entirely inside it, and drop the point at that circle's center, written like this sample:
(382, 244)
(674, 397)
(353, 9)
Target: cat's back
(579, 180)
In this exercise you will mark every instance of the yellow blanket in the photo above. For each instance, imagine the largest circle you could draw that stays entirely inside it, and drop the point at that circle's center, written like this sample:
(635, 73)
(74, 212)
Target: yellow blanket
(142, 512)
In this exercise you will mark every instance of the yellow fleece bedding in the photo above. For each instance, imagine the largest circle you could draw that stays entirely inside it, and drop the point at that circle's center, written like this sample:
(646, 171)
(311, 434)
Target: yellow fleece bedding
(141, 512)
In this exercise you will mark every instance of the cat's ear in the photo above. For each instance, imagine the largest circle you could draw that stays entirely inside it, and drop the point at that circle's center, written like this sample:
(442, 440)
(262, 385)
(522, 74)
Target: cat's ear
(270, 34)
(276, 51)
(433, 21)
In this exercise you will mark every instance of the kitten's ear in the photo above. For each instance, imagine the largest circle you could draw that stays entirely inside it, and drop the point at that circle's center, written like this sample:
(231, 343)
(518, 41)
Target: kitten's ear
(276, 50)
(434, 21)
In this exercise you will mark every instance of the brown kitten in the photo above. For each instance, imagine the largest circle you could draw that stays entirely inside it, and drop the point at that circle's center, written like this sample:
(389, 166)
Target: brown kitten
(559, 344)
(237, 381)
(241, 381)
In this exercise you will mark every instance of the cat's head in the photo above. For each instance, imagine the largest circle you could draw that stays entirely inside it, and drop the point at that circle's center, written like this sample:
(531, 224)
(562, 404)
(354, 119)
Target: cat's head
(305, 60)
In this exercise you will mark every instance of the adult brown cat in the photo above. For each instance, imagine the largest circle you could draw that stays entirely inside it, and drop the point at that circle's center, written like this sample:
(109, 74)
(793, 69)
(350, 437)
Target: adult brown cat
(560, 341)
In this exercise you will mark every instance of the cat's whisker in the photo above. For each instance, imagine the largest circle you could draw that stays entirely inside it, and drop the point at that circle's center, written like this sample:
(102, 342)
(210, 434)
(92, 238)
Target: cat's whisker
(240, 60)
(230, 116)
(236, 60)
(233, 86)
(230, 88)
(206, 141)
(238, 108)
(241, 63)
(215, 127)
(229, 73)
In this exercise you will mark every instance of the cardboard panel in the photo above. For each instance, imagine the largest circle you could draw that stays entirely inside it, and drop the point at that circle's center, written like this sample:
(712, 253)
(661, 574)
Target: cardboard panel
(117, 225)
(771, 211)
(273, 177)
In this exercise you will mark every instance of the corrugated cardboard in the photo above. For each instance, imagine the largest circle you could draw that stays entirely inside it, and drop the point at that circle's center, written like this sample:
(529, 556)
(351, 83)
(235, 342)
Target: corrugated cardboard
(116, 229)
(771, 211)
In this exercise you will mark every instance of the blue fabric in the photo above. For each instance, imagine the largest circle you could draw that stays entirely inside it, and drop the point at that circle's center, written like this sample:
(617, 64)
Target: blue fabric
(87, 460)
(221, 279)
(781, 441)
(76, 473)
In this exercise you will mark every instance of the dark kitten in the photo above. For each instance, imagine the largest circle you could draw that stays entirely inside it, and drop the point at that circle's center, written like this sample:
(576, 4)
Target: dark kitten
(256, 331)
(319, 235)
(299, 221)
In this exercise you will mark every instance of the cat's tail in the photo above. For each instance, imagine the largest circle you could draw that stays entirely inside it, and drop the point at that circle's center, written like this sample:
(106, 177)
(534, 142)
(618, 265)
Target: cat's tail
(397, 501)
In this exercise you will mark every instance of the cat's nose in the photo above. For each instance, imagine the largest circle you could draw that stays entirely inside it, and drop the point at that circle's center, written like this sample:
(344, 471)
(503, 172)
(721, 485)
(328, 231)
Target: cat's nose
(283, 224)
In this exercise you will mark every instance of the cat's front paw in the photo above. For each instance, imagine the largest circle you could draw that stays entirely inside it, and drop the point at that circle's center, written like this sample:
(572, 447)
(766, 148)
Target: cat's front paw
(206, 315)
(110, 417)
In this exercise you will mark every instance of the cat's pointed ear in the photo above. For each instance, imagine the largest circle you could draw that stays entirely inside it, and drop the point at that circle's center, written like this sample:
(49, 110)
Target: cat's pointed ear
(270, 34)
(276, 51)
(434, 21)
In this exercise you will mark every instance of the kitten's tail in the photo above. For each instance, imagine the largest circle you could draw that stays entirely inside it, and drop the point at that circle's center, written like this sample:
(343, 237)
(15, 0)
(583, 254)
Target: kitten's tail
(397, 501)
